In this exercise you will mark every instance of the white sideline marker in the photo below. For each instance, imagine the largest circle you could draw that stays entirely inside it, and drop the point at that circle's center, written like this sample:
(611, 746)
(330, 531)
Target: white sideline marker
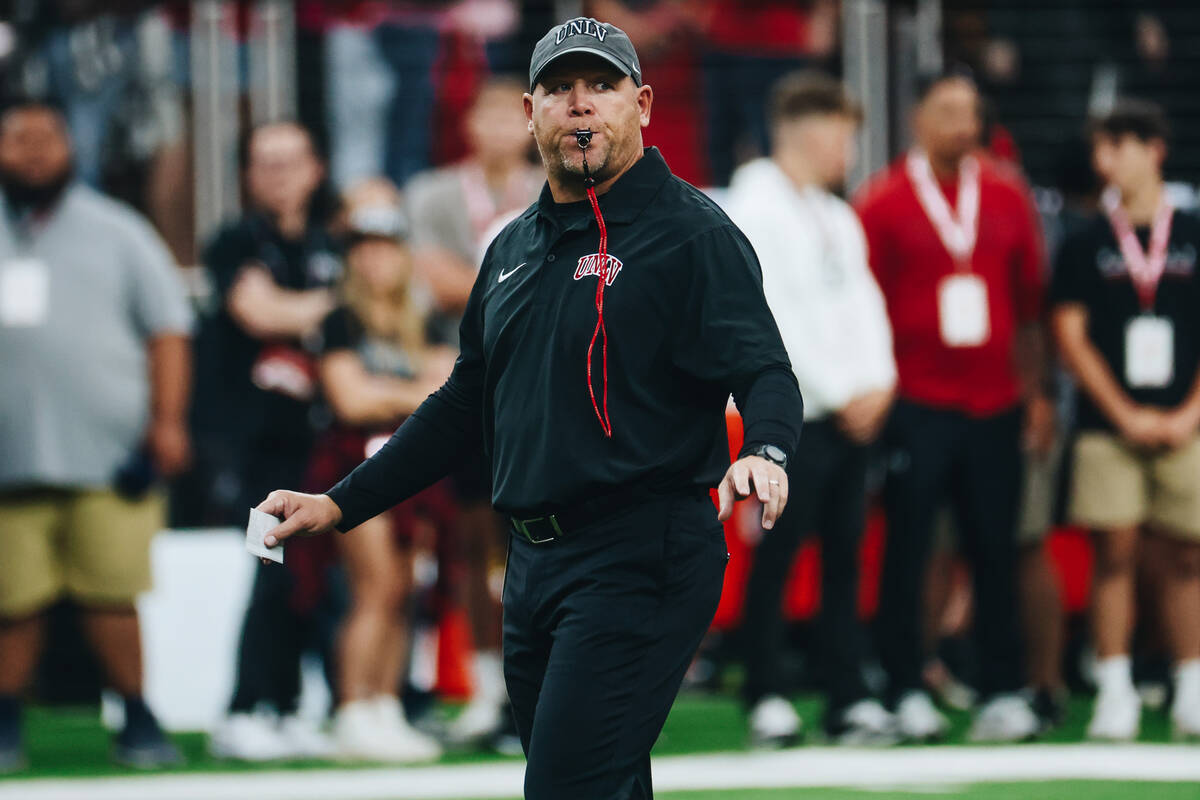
(932, 768)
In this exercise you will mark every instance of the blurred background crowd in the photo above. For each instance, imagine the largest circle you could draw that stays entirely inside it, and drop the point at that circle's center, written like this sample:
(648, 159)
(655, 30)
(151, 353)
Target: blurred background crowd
(271, 214)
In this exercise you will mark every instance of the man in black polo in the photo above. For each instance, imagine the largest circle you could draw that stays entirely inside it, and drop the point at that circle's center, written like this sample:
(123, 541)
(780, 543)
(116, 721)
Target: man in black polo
(609, 325)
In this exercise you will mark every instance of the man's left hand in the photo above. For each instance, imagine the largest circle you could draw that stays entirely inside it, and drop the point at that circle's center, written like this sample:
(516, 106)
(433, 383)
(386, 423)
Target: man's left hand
(169, 448)
(1179, 426)
(1037, 437)
(757, 475)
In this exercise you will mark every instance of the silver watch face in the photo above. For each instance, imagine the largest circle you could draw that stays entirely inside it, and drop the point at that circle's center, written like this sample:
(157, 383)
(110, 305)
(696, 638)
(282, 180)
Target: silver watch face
(774, 453)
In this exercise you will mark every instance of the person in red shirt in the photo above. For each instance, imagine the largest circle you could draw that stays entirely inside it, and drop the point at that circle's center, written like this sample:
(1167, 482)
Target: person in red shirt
(956, 249)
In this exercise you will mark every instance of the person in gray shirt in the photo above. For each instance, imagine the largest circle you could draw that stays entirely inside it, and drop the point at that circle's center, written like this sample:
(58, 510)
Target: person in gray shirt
(94, 378)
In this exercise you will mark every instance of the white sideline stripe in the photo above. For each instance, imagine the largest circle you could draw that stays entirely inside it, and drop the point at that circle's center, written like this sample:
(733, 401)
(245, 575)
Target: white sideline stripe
(808, 767)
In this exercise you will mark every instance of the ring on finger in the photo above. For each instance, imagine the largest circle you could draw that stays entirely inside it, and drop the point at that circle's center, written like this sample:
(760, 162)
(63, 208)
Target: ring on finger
(773, 483)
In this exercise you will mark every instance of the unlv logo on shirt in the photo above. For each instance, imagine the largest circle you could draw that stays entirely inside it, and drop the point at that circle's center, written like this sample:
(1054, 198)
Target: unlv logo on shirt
(590, 265)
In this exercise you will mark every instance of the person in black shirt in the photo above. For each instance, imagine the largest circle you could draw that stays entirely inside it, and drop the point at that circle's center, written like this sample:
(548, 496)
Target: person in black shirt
(1126, 296)
(609, 324)
(273, 270)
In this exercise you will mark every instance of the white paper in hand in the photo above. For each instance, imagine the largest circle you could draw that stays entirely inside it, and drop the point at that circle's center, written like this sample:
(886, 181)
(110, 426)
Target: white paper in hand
(256, 530)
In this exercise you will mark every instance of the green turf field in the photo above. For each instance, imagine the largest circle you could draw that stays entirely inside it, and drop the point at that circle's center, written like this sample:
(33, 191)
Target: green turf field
(69, 743)
(72, 745)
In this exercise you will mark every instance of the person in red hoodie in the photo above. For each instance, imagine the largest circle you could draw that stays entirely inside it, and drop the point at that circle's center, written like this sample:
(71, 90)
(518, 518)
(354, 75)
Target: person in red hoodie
(956, 249)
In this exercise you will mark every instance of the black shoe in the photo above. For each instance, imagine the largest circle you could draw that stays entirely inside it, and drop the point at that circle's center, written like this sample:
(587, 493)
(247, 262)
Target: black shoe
(142, 744)
(1050, 706)
(12, 755)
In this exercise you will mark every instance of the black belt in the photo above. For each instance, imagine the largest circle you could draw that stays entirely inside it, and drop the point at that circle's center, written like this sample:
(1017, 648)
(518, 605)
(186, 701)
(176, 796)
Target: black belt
(546, 527)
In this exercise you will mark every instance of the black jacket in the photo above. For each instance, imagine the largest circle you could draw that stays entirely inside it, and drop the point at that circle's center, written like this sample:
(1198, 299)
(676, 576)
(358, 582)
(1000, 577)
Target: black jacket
(687, 325)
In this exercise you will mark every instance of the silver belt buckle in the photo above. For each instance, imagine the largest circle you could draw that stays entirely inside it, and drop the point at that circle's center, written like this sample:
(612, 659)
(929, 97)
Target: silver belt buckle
(523, 525)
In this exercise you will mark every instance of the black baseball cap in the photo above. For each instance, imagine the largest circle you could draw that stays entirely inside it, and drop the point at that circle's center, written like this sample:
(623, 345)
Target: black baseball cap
(585, 35)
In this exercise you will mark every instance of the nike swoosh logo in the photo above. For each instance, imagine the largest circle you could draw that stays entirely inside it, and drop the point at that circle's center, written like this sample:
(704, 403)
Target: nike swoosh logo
(506, 275)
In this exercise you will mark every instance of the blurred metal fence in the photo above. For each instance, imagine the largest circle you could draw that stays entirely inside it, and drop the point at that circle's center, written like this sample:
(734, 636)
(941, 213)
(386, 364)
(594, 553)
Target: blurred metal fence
(218, 86)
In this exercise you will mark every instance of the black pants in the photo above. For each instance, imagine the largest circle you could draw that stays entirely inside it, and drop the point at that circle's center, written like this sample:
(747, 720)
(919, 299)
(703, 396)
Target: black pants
(273, 634)
(975, 463)
(826, 493)
(599, 628)
(272, 640)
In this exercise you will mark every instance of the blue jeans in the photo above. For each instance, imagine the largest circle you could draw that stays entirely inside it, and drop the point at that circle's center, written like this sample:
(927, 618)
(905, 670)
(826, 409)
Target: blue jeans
(92, 93)
(381, 97)
(411, 53)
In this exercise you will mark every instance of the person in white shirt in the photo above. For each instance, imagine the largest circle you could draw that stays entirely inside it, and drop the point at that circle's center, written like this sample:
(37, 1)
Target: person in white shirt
(835, 327)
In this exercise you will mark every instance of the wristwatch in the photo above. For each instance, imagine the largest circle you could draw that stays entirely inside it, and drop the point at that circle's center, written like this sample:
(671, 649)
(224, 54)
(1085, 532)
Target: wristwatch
(771, 453)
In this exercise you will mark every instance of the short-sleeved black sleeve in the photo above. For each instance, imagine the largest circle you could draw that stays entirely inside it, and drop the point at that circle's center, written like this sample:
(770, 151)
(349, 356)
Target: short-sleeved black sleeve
(340, 330)
(1075, 276)
(226, 254)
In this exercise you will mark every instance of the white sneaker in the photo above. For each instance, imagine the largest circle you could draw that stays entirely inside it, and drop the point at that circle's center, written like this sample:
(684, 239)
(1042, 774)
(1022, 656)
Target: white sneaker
(917, 719)
(406, 743)
(249, 737)
(304, 738)
(1004, 718)
(1185, 717)
(774, 722)
(484, 714)
(1116, 715)
(866, 724)
(356, 732)
(477, 720)
(1185, 709)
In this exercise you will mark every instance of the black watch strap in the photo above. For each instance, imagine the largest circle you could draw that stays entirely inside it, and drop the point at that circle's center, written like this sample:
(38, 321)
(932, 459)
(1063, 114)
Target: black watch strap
(771, 453)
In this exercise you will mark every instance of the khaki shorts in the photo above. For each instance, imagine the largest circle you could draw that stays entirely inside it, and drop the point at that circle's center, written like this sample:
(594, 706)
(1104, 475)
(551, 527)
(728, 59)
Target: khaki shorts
(90, 544)
(1116, 485)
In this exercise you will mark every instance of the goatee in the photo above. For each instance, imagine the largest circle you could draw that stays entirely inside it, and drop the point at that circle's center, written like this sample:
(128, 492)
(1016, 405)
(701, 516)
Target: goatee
(597, 164)
(25, 196)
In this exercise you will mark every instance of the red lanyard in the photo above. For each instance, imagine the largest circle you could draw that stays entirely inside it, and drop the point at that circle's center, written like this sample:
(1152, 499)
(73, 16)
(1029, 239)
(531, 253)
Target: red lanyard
(1145, 267)
(584, 137)
(600, 329)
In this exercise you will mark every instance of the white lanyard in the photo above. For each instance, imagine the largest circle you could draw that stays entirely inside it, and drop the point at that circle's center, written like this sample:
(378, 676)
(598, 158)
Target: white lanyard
(957, 231)
(1145, 267)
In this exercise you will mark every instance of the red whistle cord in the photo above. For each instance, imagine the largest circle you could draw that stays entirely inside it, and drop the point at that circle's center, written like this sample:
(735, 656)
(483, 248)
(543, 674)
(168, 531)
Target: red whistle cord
(600, 330)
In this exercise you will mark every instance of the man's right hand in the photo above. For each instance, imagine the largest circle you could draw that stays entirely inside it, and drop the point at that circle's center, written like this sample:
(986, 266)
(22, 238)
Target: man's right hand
(303, 515)
(863, 417)
(1179, 425)
(1142, 426)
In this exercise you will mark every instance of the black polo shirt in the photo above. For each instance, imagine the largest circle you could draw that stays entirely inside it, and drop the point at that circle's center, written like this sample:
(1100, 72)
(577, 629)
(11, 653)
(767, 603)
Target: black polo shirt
(687, 326)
